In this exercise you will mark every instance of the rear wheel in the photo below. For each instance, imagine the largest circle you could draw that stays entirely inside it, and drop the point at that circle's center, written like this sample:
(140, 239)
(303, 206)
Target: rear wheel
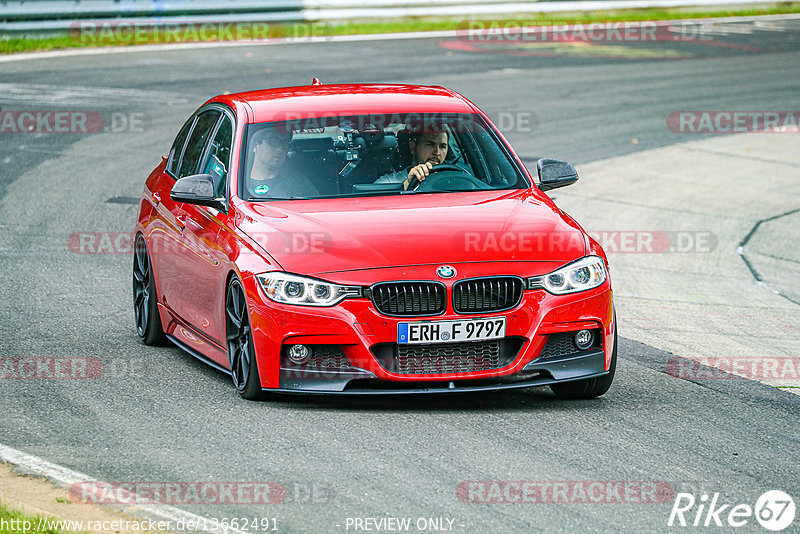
(591, 387)
(145, 300)
(239, 336)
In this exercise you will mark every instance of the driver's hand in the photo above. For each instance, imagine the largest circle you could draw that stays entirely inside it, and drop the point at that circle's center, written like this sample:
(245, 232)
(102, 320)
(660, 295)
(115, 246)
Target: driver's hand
(420, 172)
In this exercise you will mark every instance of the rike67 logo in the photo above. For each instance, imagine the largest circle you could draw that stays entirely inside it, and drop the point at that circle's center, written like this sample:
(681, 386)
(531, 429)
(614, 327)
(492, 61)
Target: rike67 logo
(774, 510)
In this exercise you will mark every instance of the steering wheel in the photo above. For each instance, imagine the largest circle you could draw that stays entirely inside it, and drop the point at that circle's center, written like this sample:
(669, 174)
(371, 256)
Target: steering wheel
(453, 182)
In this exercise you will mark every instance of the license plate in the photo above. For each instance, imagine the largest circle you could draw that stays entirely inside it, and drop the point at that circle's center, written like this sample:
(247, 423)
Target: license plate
(451, 331)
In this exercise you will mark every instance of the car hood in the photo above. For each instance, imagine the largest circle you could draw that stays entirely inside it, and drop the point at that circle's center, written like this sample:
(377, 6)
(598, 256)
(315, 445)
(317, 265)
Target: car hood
(345, 234)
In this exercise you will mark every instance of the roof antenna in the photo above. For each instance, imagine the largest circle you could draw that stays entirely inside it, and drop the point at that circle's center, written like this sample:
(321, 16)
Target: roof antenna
(316, 81)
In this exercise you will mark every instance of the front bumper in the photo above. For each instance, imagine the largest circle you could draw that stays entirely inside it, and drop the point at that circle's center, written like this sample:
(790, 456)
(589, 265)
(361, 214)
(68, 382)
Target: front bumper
(357, 328)
(535, 374)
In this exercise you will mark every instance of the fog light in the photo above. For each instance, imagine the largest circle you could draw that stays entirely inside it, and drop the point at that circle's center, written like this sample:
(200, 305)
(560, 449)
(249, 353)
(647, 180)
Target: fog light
(583, 339)
(299, 354)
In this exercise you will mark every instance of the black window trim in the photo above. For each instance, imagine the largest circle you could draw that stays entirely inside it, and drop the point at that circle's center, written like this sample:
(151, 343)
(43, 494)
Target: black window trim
(241, 186)
(203, 149)
(183, 147)
(225, 112)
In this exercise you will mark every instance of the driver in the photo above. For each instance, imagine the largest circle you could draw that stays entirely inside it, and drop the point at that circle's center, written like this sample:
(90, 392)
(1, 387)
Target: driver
(427, 149)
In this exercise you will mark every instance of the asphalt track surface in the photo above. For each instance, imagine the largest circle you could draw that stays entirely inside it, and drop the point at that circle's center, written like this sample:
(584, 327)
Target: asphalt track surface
(158, 415)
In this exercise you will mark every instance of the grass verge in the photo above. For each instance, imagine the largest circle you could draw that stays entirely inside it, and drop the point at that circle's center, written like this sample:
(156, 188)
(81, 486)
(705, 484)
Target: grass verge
(117, 34)
(13, 522)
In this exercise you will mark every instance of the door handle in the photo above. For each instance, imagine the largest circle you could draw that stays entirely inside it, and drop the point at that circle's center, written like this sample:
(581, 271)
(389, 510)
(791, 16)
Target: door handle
(181, 221)
(157, 197)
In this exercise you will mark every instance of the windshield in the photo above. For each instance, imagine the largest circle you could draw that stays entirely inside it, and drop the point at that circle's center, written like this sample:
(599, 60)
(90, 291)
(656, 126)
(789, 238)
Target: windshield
(370, 155)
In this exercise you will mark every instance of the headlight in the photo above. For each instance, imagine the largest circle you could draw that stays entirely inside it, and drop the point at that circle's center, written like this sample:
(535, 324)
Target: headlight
(293, 289)
(586, 273)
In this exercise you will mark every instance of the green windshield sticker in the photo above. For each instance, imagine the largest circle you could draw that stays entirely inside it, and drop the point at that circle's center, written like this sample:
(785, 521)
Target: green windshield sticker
(261, 189)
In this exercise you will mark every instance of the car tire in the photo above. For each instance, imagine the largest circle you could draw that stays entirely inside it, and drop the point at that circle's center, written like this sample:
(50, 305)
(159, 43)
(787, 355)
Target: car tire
(591, 387)
(239, 342)
(145, 299)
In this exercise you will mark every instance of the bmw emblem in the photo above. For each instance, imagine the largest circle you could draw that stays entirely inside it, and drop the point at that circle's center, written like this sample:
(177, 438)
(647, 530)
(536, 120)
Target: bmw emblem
(446, 271)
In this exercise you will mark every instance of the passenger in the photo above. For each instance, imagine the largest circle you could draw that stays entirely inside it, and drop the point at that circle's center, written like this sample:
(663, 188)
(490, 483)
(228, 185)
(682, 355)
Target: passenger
(427, 149)
(270, 176)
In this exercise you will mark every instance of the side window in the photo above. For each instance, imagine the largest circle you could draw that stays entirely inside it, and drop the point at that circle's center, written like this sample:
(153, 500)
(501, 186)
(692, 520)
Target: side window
(177, 147)
(454, 152)
(217, 160)
(501, 171)
(197, 140)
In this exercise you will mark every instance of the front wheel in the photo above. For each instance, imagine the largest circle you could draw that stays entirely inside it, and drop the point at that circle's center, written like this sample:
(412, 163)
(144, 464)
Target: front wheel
(591, 387)
(145, 300)
(239, 336)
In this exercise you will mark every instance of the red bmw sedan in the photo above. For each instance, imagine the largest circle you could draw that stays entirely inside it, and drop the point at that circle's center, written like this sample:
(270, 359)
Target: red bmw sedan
(368, 239)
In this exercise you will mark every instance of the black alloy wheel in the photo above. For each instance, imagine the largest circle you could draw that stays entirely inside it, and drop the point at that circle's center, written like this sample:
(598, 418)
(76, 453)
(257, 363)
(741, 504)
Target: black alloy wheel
(145, 300)
(241, 354)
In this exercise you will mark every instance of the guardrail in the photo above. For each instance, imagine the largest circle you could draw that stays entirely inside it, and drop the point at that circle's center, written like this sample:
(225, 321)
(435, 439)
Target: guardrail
(40, 16)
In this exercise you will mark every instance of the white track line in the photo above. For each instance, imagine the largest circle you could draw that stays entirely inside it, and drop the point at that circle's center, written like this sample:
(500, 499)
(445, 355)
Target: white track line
(441, 34)
(66, 477)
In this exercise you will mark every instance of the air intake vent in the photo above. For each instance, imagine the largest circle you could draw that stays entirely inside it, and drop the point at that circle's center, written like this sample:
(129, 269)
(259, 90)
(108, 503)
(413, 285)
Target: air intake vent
(447, 358)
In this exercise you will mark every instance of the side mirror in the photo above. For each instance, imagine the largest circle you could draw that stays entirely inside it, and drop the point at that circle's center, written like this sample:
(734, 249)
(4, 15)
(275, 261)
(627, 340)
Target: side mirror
(555, 173)
(196, 189)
